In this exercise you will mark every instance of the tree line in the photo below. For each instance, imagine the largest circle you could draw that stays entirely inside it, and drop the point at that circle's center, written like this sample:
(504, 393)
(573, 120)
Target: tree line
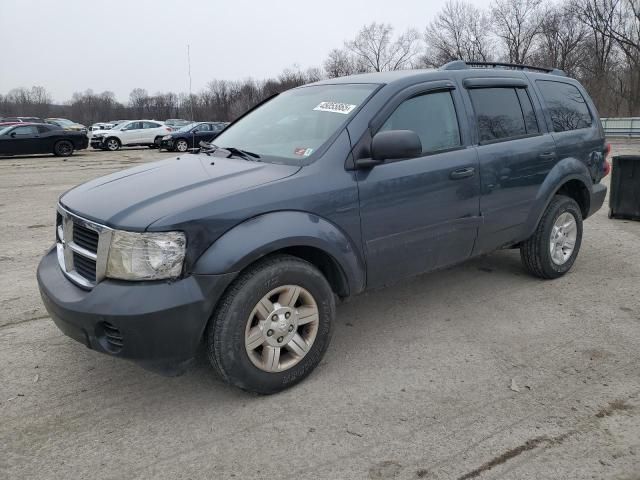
(595, 41)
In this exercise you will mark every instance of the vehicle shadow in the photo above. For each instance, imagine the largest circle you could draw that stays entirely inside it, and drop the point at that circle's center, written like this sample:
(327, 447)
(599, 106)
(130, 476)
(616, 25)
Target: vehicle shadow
(360, 326)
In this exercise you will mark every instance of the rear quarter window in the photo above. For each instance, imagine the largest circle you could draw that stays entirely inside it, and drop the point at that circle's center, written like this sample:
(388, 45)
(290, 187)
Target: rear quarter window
(567, 107)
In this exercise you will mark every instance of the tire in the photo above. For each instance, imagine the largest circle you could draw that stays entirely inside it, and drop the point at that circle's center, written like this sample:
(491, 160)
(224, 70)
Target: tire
(181, 146)
(536, 252)
(238, 317)
(112, 144)
(63, 148)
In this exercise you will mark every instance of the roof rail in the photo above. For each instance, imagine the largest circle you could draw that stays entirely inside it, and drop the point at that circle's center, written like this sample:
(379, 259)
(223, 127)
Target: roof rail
(462, 65)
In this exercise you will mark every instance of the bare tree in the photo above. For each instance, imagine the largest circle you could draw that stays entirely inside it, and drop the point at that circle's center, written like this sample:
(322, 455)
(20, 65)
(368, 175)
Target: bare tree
(561, 41)
(377, 49)
(460, 31)
(517, 24)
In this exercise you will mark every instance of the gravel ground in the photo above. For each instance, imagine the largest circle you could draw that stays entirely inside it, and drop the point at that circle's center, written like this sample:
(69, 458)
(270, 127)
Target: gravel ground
(416, 384)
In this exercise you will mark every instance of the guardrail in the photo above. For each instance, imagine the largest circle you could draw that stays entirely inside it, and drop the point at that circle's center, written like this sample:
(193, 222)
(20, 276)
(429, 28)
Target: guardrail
(621, 127)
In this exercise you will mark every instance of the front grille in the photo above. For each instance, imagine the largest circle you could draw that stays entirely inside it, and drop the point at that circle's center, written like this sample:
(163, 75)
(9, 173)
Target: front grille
(85, 238)
(82, 248)
(85, 267)
(113, 337)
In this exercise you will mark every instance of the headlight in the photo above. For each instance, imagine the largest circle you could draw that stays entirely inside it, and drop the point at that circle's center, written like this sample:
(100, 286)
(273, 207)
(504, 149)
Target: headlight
(146, 256)
(166, 137)
(98, 135)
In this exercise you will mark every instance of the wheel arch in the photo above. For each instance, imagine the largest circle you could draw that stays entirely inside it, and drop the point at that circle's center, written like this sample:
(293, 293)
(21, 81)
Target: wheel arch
(301, 234)
(568, 177)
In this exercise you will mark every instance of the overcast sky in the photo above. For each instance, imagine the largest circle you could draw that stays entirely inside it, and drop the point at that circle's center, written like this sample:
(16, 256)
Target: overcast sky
(71, 45)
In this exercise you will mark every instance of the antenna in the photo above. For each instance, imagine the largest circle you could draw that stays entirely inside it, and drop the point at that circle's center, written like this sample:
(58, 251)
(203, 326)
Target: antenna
(189, 70)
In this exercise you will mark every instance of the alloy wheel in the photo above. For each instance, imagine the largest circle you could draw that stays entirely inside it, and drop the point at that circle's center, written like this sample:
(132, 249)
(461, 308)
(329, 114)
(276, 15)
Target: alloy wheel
(563, 238)
(281, 328)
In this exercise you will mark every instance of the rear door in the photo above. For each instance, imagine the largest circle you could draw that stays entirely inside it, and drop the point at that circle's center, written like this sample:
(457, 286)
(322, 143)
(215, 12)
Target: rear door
(515, 154)
(421, 213)
(151, 130)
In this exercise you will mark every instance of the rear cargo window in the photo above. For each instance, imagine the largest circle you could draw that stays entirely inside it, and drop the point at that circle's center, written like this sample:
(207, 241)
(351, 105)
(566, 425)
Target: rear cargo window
(499, 113)
(567, 107)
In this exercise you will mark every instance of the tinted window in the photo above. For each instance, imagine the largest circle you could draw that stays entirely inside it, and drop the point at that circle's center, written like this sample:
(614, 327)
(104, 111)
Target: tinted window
(567, 107)
(133, 126)
(150, 125)
(26, 130)
(432, 116)
(530, 121)
(43, 128)
(498, 113)
(205, 127)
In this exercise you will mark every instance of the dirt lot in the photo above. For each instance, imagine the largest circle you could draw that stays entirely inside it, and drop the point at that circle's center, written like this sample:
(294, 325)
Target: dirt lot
(416, 383)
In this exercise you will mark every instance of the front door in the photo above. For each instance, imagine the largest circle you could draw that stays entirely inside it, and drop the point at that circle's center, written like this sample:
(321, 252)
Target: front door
(421, 213)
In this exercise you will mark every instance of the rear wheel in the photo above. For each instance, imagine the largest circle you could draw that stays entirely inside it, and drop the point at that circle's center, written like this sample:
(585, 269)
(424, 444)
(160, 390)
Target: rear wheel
(273, 326)
(112, 144)
(63, 148)
(554, 246)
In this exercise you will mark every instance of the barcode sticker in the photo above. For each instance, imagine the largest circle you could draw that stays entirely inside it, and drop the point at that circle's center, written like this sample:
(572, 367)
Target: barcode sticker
(335, 107)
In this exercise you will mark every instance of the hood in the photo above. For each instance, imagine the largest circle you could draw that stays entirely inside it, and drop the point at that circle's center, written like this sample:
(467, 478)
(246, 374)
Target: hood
(135, 198)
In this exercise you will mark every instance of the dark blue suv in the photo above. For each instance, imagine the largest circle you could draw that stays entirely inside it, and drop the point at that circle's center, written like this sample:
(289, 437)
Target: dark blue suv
(320, 193)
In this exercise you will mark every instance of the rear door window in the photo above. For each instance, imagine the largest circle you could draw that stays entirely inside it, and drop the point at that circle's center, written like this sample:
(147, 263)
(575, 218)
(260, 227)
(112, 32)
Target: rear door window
(150, 125)
(567, 107)
(498, 113)
(432, 116)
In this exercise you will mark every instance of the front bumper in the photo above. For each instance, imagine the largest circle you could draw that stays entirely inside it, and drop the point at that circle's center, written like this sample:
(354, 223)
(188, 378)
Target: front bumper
(160, 323)
(166, 144)
(97, 142)
(598, 193)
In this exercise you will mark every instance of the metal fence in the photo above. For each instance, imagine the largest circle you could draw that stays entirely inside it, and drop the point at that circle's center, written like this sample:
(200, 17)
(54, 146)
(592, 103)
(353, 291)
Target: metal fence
(621, 127)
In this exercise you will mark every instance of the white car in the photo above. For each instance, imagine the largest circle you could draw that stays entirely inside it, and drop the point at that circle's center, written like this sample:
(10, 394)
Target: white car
(128, 134)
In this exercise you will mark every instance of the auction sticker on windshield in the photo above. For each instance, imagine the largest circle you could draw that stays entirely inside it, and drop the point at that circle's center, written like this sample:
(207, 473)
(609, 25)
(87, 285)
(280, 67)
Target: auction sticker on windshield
(335, 107)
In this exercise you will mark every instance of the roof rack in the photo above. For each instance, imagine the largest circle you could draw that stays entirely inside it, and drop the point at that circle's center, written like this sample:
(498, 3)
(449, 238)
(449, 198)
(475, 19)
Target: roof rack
(462, 65)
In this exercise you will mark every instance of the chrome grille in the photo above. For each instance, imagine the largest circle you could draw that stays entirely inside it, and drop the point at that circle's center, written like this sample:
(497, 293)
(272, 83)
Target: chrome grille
(82, 247)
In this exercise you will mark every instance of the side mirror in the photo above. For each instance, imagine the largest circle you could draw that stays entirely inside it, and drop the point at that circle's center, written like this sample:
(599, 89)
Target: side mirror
(392, 144)
(13, 135)
(395, 144)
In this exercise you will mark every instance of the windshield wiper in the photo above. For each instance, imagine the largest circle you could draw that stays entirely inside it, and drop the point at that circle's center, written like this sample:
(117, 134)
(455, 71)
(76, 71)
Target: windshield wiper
(209, 148)
(241, 153)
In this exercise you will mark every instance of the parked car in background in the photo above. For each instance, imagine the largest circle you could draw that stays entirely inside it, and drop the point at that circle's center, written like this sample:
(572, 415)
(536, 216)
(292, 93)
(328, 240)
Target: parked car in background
(101, 126)
(30, 138)
(22, 119)
(177, 123)
(66, 124)
(191, 135)
(129, 134)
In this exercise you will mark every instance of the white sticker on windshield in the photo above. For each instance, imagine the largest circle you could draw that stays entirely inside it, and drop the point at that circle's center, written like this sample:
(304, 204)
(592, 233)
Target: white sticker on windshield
(335, 107)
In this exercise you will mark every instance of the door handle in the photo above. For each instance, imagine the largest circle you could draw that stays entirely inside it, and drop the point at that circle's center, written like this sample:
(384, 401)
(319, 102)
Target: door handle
(462, 173)
(547, 156)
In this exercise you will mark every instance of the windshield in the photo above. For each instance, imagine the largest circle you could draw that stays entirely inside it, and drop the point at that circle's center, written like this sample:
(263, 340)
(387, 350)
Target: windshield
(296, 123)
(188, 127)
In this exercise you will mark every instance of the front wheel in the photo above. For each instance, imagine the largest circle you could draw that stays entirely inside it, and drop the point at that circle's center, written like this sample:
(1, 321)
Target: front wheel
(551, 251)
(112, 144)
(273, 326)
(181, 146)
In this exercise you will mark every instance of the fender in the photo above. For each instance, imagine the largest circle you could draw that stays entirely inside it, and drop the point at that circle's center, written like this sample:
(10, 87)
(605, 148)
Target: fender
(565, 170)
(270, 232)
